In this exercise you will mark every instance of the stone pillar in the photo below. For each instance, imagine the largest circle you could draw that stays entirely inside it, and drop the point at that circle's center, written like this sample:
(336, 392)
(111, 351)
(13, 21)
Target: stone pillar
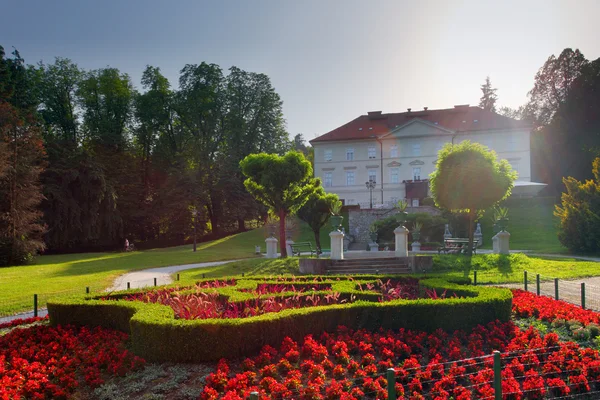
(401, 234)
(288, 246)
(503, 238)
(337, 245)
(478, 236)
(495, 244)
(271, 247)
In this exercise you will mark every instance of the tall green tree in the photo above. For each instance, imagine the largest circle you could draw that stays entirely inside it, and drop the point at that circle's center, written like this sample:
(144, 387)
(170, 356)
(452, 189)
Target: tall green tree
(21, 163)
(489, 96)
(282, 183)
(468, 179)
(317, 210)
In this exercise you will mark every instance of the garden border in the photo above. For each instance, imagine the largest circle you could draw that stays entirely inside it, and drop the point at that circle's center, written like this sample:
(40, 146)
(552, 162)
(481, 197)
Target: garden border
(157, 336)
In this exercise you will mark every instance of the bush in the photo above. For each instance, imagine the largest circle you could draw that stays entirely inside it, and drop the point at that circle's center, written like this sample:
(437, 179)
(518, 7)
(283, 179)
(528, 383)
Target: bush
(157, 336)
(432, 230)
(579, 213)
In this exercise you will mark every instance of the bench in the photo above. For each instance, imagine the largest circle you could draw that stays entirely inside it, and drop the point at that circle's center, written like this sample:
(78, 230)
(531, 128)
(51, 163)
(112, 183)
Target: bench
(457, 246)
(299, 247)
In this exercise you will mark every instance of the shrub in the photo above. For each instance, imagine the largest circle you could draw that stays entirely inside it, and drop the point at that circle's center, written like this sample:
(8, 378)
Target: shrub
(157, 336)
(579, 213)
(431, 230)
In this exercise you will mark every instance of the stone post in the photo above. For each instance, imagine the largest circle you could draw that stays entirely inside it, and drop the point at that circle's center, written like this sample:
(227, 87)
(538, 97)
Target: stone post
(401, 234)
(271, 247)
(447, 234)
(495, 244)
(288, 246)
(503, 238)
(337, 245)
(478, 236)
(416, 246)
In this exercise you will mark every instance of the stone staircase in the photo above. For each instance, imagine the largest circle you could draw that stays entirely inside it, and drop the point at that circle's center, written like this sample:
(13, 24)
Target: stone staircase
(384, 266)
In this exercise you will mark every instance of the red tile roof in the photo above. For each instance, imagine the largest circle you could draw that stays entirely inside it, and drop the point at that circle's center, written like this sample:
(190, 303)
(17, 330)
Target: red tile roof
(459, 119)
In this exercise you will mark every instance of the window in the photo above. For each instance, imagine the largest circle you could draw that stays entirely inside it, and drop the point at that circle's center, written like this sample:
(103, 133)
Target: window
(514, 165)
(395, 175)
(349, 154)
(350, 178)
(328, 155)
(416, 149)
(415, 202)
(327, 179)
(373, 175)
(417, 173)
(350, 201)
(372, 152)
(394, 151)
(512, 143)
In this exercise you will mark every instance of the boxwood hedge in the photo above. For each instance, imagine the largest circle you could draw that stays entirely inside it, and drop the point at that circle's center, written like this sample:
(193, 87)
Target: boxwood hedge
(158, 336)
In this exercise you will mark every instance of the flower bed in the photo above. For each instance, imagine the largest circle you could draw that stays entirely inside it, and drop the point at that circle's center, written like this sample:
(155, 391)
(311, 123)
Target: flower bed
(44, 362)
(158, 336)
(21, 321)
(351, 364)
(526, 304)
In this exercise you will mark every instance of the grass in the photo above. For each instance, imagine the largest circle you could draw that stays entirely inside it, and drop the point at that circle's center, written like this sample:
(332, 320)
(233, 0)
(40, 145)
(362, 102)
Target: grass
(71, 273)
(494, 268)
(532, 226)
(491, 268)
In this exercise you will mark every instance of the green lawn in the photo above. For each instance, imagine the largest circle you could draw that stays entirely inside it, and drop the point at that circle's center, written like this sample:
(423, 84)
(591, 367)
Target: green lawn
(532, 226)
(62, 274)
(494, 268)
(491, 268)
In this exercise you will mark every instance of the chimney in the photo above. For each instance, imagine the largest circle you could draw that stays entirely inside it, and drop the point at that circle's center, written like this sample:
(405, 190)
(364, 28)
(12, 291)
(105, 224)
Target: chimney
(408, 109)
(461, 106)
(375, 115)
(425, 108)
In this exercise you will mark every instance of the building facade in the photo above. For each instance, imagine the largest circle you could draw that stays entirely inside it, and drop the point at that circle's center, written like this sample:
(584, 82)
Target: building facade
(399, 151)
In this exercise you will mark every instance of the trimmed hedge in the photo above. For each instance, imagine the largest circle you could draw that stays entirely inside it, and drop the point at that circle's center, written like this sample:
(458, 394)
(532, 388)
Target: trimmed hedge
(157, 336)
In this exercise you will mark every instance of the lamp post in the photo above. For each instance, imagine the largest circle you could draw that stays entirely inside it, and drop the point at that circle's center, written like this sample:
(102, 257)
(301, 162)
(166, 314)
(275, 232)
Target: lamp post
(195, 214)
(370, 185)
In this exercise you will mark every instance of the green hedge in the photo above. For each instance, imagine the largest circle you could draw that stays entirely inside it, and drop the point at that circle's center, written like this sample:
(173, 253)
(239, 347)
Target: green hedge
(157, 336)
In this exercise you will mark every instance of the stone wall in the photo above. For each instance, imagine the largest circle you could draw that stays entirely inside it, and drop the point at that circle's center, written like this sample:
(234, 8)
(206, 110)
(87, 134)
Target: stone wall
(360, 220)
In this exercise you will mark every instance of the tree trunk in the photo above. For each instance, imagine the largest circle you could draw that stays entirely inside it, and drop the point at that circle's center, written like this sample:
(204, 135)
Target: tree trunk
(470, 248)
(241, 225)
(318, 240)
(282, 246)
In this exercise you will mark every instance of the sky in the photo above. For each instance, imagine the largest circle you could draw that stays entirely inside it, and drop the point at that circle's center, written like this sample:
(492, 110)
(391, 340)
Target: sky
(329, 60)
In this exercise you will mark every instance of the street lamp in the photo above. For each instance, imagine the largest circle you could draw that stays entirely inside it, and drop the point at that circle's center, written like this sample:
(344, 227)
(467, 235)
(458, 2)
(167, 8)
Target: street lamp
(370, 185)
(195, 214)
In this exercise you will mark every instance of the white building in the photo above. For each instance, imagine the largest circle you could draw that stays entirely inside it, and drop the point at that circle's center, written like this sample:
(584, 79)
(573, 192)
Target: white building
(399, 151)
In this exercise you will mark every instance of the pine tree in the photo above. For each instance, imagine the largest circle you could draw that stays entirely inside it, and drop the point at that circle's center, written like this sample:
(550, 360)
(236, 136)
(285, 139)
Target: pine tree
(489, 98)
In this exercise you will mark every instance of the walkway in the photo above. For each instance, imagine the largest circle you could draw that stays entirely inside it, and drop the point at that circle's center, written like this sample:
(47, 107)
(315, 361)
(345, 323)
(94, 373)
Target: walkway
(145, 277)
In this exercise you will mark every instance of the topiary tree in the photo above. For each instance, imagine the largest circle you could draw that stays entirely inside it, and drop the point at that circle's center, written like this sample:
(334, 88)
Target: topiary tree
(317, 210)
(282, 183)
(579, 213)
(468, 179)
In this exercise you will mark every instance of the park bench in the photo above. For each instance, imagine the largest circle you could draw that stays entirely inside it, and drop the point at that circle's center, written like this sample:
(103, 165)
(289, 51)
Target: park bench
(298, 248)
(456, 245)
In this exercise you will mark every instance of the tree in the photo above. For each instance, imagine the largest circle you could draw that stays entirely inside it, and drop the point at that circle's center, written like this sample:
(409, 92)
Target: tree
(21, 163)
(489, 97)
(282, 183)
(469, 179)
(579, 213)
(317, 210)
(552, 84)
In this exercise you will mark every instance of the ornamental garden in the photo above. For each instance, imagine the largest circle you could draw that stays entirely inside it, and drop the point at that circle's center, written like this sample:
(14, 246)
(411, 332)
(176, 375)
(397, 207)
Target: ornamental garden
(322, 337)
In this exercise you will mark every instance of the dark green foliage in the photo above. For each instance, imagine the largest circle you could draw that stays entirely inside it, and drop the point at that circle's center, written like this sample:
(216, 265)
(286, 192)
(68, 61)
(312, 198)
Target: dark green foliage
(469, 179)
(489, 96)
(282, 183)
(157, 336)
(579, 213)
(432, 229)
(21, 163)
(317, 210)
